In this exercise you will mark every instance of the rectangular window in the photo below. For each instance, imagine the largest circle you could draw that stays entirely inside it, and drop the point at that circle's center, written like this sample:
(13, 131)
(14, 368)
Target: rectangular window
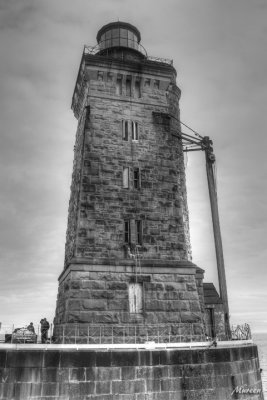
(125, 178)
(128, 85)
(125, 130)
(156, 84)
(138, 226)
(134, 130)
(135, 298)
(147, 82)
(136, 178)
(127, 232)
(130, 39)
(100, 75)
(115, 37)
(110, 76)
(137, 88)
(108, 39)
(102, 41)
(123, 37)
(119, 84)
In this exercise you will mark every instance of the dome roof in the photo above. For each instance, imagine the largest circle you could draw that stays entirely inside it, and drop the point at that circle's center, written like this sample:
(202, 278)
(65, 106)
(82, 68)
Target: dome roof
(117, 25)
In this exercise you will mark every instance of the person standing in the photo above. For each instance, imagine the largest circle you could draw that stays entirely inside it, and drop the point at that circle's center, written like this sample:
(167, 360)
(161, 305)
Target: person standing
(44, 329)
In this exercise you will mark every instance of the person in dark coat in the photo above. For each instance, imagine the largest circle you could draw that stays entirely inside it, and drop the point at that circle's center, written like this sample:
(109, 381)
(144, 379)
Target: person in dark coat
(44, 329)
(31, 327)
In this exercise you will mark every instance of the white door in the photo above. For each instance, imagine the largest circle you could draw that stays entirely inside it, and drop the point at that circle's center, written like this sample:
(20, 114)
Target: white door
(136, 297)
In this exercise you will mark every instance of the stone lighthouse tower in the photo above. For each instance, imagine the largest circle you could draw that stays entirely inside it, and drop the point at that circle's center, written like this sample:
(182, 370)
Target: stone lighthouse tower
(129, 297)
(127, 256)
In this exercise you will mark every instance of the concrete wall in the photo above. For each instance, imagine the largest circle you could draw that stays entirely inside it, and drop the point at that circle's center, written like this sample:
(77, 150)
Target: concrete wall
(128, 374)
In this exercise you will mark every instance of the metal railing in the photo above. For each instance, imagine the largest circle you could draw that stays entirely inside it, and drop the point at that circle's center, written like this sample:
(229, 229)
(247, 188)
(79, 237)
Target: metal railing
(93, 50)
(118, 334)
(13, 334)
(241, 332)
(123, 334)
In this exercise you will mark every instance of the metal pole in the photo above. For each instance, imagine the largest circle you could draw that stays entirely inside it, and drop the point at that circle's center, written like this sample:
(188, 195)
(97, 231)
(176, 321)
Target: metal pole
(217, 237)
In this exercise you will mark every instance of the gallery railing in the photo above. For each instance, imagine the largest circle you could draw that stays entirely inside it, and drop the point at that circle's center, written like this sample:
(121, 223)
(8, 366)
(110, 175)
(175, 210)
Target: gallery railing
(240, 332)
(118, 334)
(93, 50)
(122, 334)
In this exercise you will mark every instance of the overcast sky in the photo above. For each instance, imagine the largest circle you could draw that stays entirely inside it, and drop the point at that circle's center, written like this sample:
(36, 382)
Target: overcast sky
(219, 51)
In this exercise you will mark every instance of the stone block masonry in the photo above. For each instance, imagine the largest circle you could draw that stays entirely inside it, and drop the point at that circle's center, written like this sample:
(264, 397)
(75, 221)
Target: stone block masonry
(173, 374)
(128, 196)
(99, 204)
(101, 294)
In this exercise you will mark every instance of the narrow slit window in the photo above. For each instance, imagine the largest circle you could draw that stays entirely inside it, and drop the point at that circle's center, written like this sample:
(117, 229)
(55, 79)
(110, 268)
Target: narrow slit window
(136, 177)
(137, 88)
(156, 84)
(125, 178)
(128, 86)
(147, 82)
(100, 75)
(127, 232)
(138, 225)
(125, 130)
(135, 131)
(119, 84)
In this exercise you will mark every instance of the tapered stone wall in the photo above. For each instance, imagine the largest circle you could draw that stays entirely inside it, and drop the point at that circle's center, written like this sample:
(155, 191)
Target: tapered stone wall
(102, 204)
(99, 203)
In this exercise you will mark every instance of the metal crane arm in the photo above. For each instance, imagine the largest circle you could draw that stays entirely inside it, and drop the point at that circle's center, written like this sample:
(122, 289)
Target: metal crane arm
(205, 144)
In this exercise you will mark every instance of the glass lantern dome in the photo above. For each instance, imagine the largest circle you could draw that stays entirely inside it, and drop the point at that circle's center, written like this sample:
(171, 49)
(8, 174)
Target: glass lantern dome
(119, 34)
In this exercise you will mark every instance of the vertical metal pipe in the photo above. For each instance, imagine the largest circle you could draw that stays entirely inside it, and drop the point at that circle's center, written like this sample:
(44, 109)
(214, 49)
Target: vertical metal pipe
(217, 237)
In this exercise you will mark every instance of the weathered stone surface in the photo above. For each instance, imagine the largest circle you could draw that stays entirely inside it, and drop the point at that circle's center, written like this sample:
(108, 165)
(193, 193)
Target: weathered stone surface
(117, 286)
(95, 285)
(120, 374)
(190, 317)
(93, 304)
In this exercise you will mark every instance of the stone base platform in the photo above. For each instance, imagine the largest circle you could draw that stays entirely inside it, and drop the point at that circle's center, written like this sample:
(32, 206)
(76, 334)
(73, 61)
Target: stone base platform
(167, 293)
(49, 372)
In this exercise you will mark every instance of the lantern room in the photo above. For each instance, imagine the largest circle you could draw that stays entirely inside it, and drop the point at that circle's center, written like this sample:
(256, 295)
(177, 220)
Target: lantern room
(119, 34)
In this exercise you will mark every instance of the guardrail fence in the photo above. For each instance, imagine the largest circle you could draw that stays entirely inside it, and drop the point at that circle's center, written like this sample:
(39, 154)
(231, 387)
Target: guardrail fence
(116, 334)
